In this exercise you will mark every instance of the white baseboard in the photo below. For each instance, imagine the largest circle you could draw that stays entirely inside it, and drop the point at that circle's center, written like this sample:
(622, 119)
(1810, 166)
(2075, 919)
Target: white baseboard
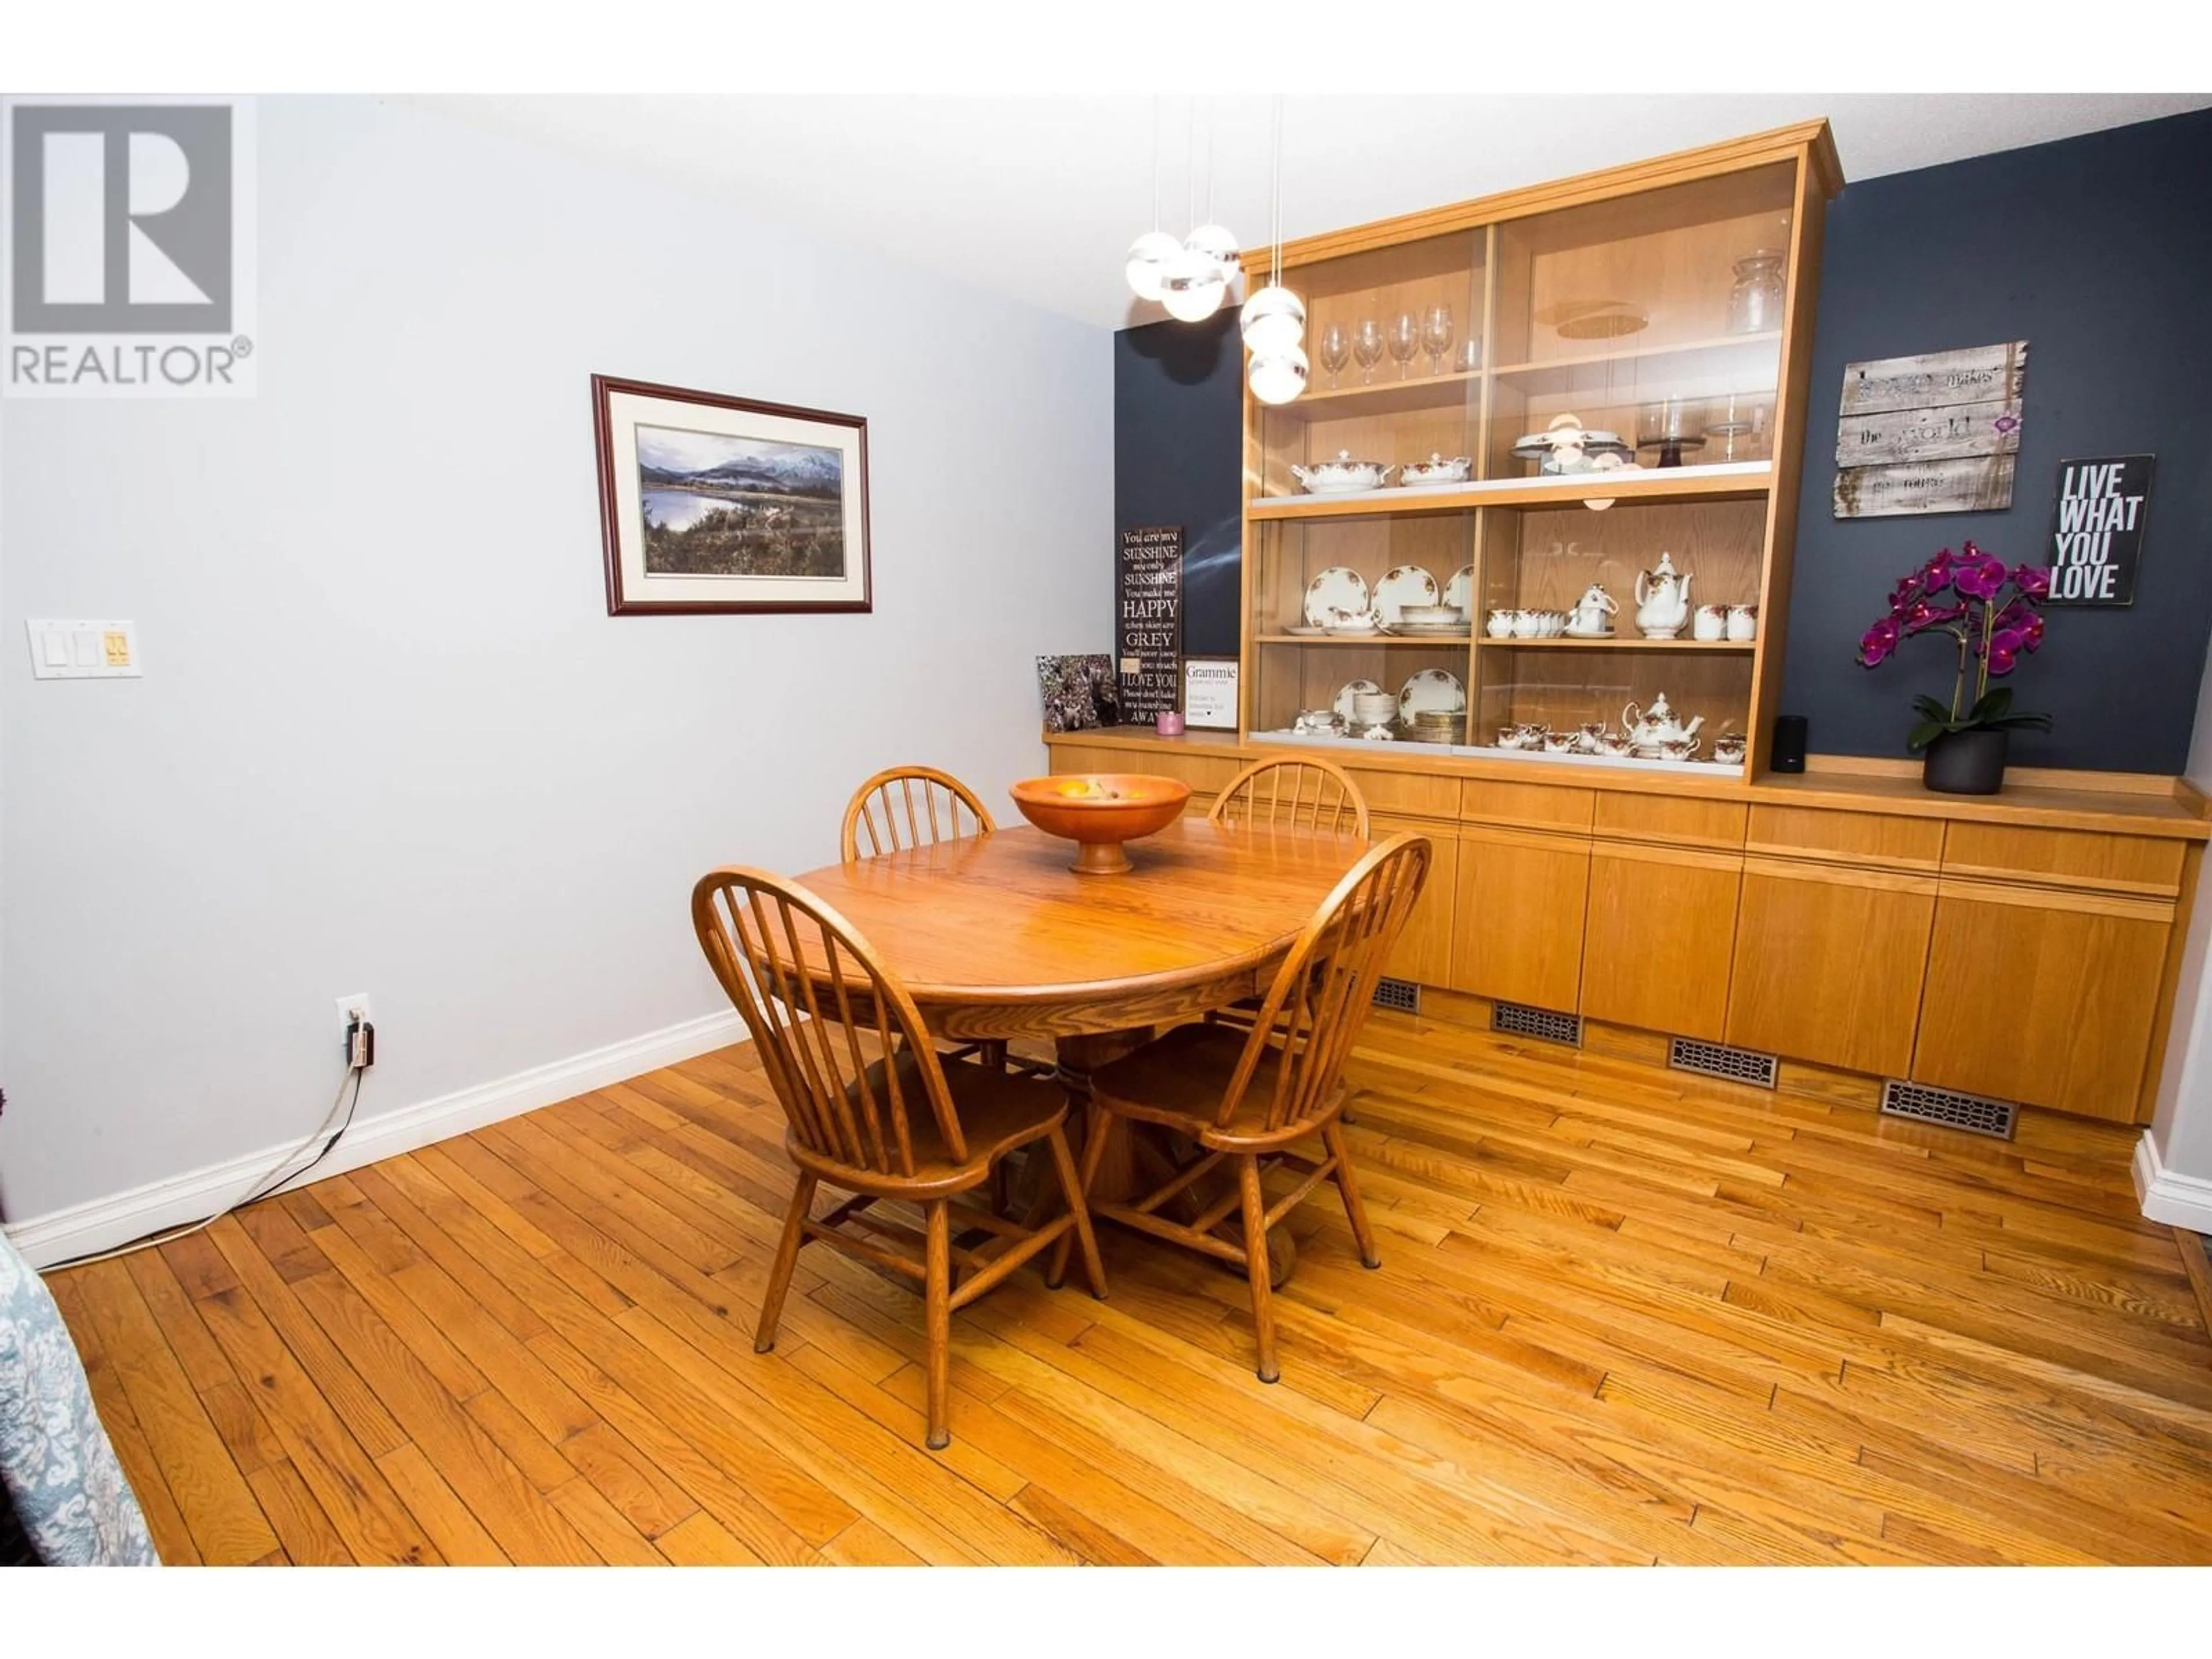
(105, 1223)
(2175, 1200)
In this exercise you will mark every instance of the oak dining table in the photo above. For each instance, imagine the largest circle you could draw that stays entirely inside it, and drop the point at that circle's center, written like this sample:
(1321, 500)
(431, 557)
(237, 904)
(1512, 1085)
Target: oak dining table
(995, 937)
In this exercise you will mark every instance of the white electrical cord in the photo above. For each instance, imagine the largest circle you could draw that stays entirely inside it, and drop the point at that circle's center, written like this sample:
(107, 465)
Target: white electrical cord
(277, 1176)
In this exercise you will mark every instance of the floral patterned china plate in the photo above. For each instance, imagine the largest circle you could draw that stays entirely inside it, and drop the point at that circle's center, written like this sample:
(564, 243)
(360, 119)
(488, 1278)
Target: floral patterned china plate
(1344, 693)
(1407, 584)
(1432, 690)
(1336, 589)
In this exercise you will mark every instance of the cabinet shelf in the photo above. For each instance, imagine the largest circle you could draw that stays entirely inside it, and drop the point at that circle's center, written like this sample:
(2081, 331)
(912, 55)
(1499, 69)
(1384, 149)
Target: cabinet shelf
(1727, 481)
(1458, 642)
(1561, 643)
(1728, 357)
(1416, 392)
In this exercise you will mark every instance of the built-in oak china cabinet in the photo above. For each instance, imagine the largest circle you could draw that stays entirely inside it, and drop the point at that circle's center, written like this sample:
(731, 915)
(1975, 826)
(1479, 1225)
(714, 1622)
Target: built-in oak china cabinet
(1609, 299)
(2024, 946)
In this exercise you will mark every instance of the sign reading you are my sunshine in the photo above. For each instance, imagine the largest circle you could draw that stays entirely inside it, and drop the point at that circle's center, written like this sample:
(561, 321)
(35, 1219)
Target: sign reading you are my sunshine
(1148, 619)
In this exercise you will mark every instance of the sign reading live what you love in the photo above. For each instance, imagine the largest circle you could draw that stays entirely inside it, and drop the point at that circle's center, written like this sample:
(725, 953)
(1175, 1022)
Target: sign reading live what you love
(1934, 434)
(1148, 621)
(2097, 530)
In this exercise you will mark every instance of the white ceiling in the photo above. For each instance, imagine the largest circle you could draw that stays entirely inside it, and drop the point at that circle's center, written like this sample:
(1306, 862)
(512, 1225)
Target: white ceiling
(1037, 198)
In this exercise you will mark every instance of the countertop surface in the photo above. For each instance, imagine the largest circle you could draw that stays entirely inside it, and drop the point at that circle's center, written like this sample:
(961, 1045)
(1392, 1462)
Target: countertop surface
(2115, 803)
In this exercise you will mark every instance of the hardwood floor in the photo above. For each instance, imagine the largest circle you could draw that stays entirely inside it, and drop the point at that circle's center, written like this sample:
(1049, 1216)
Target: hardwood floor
(1625, 1315)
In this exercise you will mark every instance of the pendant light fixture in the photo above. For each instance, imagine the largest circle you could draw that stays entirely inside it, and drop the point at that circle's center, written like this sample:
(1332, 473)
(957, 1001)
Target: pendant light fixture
(1197, 277)
(1149, 253)
(1274, 320)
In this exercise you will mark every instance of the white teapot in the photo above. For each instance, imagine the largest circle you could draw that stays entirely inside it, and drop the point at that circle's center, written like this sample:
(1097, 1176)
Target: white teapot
(1591, 612)
(1648, 728)
(1662, 599)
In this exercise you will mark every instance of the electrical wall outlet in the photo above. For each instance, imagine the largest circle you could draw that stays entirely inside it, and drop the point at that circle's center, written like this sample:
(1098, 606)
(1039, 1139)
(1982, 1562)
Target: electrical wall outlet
(353, 1008)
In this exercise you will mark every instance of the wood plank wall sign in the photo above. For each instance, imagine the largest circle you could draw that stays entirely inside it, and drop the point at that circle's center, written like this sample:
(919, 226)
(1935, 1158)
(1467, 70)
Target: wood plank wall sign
(2097, 529)
(1148, 621)
(1938, 432)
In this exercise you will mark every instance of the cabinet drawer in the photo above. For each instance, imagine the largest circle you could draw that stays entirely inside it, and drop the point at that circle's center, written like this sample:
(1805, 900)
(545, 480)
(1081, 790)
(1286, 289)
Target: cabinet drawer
(1420, 793)
(2065, 858)
(1537, 805)
(1517, 917)
(2051, 1004)
(1829, 963)
(1677, 820)
(1658, 944)
(1878, 839)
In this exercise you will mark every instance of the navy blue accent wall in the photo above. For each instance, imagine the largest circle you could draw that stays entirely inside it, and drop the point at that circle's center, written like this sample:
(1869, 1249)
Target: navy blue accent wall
(1178, 458)
(2097, 250)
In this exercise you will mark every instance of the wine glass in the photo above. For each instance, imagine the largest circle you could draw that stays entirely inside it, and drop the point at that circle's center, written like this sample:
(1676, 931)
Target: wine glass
(1367, 346)
(1405, 339)
(1336, 351)
(1437, 336)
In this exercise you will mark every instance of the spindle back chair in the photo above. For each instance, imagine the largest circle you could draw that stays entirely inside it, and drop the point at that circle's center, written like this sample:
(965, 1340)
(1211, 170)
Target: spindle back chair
(870, 1110)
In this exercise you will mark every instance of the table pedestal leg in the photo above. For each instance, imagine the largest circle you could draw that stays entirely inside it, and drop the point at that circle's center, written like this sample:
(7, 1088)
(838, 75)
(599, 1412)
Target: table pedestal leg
(1116, 1180)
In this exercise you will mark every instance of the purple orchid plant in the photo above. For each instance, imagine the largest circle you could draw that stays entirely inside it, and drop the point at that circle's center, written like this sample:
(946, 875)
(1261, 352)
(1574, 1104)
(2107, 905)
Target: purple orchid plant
(1989, 609)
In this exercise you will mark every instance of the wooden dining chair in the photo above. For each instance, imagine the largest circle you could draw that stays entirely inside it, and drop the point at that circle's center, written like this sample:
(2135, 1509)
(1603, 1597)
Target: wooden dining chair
(1305, 792)
(904, 806)
(1247, 1098)
(901, 1127)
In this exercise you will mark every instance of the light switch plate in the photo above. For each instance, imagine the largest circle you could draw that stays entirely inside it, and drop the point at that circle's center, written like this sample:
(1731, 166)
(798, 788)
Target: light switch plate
(84, 650)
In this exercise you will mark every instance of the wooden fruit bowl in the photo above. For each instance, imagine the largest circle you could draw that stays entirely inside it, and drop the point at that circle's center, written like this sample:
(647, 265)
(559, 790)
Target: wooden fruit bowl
(1099, 810)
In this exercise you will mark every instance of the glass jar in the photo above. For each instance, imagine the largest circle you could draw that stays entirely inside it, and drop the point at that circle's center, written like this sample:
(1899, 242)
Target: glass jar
(1755, 300)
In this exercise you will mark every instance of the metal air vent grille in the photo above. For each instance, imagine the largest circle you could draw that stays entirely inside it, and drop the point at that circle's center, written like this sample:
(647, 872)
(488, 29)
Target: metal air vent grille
(1401, 994)
(1949, 1109)
(1720, 1060)
(1518, 1020)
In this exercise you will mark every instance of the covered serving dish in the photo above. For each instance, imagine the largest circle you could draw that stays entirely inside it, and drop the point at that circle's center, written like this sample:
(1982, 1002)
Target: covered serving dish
(1436, 470)
(1341, 475)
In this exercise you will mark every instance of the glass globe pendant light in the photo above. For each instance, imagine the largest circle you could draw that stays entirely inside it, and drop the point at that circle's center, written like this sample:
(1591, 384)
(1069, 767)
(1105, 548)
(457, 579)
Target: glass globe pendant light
(1274, 320)
(1148, 262)
(1192, 287)
(1278, 377)
(1196, 279)
(1151, 253)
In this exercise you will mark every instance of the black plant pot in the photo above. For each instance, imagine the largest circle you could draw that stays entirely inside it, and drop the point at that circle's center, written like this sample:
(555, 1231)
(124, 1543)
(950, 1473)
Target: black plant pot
(1965, 763)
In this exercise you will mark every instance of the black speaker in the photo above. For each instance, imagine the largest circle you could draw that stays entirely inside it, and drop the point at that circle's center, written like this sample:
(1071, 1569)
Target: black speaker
(1788, 752)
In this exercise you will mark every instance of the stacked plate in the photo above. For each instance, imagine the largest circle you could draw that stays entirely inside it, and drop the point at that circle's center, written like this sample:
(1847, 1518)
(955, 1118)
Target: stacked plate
(1374, 708)
(1444, 621)
(1433, 726)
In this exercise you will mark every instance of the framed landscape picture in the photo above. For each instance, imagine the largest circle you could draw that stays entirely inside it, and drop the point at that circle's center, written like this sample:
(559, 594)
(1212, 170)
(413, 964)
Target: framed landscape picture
(710, 503)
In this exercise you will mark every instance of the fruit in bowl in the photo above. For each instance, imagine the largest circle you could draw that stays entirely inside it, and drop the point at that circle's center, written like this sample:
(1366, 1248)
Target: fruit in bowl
(1100, 810)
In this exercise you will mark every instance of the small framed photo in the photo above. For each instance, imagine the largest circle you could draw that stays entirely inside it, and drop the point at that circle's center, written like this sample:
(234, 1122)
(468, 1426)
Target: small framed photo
(713, 504)
(1209, 693)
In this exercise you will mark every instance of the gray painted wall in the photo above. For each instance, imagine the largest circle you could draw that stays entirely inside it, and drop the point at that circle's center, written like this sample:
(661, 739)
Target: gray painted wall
(388, 740)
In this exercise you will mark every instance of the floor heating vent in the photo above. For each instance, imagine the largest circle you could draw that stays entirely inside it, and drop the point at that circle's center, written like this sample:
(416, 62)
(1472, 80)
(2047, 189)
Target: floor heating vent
(1402, 994)
(1718, 1060)
(1518, 1020)
(1950, 1109)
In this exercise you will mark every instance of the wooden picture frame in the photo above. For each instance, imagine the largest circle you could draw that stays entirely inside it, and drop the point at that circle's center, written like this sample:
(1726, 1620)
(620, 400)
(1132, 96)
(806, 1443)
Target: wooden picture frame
(714, 505)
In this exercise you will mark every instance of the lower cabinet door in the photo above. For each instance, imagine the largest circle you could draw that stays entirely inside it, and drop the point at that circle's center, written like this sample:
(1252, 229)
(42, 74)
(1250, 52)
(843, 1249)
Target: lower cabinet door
(1829, 964)
(1657, 950)
(2048, 998)
(1517, 917)
(1423, 953)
